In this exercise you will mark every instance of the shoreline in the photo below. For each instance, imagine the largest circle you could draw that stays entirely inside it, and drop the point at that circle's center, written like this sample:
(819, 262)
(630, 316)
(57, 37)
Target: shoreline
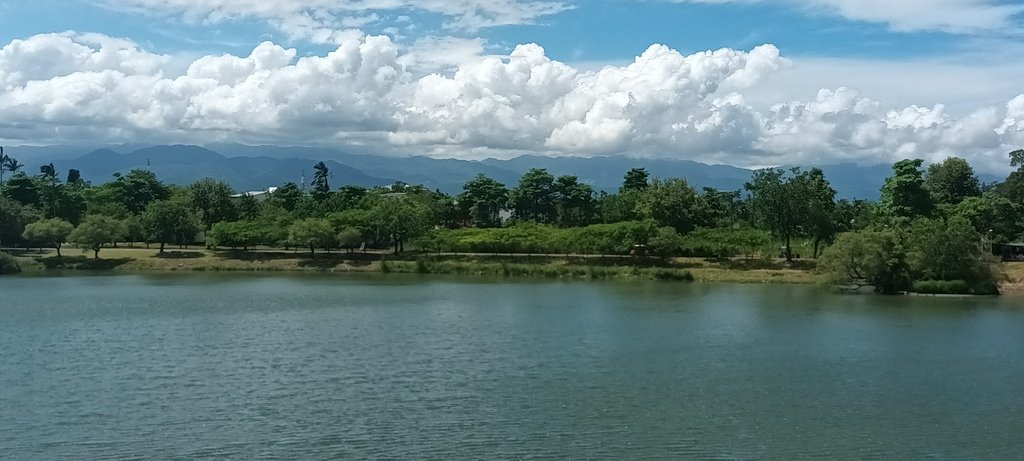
(142, 260)
(578, 267)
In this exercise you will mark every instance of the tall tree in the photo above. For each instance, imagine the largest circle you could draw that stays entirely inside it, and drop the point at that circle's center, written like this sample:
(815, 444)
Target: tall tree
(399, 219)
(74, 176)
(312, 233)
(136, 190)
(170, 221)
(636, 179)
(3, 164)
(575, 201)
(672, 203)
(821, 207)
(951, 181)
(321, 187)
(482, 198)
(780, 203)
(904, 194)
(288, 196)
(534, 198)
(212, 198)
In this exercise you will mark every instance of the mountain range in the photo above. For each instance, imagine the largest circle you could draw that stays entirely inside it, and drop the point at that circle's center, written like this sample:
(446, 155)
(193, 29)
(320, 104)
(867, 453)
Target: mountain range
(259, 167)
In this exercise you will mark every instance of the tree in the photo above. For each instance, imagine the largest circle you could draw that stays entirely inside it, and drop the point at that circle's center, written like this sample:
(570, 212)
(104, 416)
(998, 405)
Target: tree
(948, 249)
(321, 188)
(13, 219)
(288, 196)
(780, 203)
(51, 232)
(575, 201)
(350, 238)
(951, 181)
(235, 234)
(993, 216)
(904, 194)
(3, 164)
(635, 180)
(96, 232)
(672, 203)
(23, 189)
(170, 221)
(398, 218)
(482, 198)
(248, 207)
(74, 176)
(135, 190)
(212, 198)
(10, 164)
(875, 258)
(312, 233)
(535, 197)
(820, 206)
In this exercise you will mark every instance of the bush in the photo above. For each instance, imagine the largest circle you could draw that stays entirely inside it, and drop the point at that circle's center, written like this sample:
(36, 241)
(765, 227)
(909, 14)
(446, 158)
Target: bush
(8, 265)
(942, 287)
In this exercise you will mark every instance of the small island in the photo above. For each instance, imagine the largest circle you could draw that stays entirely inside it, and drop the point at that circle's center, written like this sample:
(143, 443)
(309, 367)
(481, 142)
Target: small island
(935, 230)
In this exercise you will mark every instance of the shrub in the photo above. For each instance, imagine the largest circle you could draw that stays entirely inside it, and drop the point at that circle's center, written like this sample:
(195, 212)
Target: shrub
(8, 264)
(942, 287)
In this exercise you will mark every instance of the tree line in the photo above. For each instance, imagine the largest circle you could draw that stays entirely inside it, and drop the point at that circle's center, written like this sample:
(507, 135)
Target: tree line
(785, 213)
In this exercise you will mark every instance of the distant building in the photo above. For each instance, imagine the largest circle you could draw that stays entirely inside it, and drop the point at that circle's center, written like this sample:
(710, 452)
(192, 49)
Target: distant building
(259, 195)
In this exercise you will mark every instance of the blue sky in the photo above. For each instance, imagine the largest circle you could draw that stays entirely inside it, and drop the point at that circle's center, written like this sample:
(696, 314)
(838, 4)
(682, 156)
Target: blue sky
(790, 81)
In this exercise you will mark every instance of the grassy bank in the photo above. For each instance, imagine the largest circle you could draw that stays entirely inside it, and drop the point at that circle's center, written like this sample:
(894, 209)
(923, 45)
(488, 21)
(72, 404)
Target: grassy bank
(198, 259)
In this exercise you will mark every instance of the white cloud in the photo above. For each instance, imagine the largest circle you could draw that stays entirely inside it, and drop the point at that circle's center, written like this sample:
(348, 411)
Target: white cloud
(370, 93)
(959, 16)
(334, 21)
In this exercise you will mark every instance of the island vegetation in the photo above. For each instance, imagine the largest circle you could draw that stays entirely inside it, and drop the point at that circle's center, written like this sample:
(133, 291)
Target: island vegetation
(931, 231)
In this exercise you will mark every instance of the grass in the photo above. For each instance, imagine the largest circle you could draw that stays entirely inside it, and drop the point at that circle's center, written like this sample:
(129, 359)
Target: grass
(129, 259)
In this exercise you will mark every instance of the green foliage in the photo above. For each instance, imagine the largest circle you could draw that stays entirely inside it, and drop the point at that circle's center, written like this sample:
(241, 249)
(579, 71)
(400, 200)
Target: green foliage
(50, 232)
(635, 180)
(904, 194)
(13, 219)
(535, 198)
(672, 203)
(170, 221)
(321, 187)
(942, 287)
(398, 219)
(482, 199)
(531, 238)
(875, 258)
(350, 238)
(781, 203)
(574, 202)
(96, 232)
(726, 242)
(8, 264)
(236, 234)
(212, 198)
(948, 249)
(951, 181)
(288, 196)
(312, 233)
(134, 191)
(993, 216)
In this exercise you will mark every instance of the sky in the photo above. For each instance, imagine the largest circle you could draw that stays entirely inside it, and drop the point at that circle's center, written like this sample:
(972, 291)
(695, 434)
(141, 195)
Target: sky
(749, 83)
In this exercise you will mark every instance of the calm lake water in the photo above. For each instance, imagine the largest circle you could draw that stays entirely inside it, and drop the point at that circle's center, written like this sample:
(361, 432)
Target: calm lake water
(402, 367)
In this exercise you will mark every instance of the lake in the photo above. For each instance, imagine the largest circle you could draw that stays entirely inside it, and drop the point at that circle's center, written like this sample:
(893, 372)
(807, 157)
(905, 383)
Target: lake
(407, 367)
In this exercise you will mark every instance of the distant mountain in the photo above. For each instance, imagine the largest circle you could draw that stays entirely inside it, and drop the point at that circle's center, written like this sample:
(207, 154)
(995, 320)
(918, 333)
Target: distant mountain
(258, 167)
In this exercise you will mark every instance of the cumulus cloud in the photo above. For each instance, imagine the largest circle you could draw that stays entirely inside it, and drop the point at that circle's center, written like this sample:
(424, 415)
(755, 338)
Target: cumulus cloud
(334, 21)
(910, 15)
(370, 93)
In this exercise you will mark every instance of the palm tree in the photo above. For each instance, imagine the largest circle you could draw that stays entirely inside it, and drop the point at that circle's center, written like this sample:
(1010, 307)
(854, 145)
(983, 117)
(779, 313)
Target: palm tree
(320, 186)
(12, 164)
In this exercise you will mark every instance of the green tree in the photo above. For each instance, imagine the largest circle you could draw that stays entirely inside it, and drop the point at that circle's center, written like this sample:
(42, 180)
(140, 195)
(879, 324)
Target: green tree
(170, 221)
(23, 189)
(867, 258)
(820, 205)
(951, 181)
(13, 219)
(482, 198)
(312, 233)
(96, 232)
(212, 198)
(135, 190)
(399, 219)
(350, 238)
(235, 234)
(288, 196)
(672, 203)
(636, 179)
(575, 201)
(534, 198)
(248, 207)
(780, 203)
(50, 232)
(948, 249)
(993, 216)
(904, 194)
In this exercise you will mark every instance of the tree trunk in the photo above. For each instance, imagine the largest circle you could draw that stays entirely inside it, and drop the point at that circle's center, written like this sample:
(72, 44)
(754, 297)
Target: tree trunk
(789, 249)
(312, 251)
(817, 241)
(95, 253)
(58, 250)
(161, 247)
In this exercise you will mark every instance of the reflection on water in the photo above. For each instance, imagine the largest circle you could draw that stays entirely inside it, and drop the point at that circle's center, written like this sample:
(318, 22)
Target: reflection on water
(411, 367)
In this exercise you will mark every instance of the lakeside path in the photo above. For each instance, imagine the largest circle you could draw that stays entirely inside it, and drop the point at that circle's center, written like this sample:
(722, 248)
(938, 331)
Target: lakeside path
(136, 259)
